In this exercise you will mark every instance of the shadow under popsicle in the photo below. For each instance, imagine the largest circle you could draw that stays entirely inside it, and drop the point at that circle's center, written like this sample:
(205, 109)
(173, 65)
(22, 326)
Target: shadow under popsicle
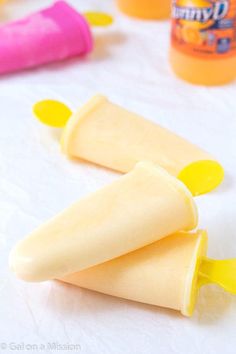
(89, 301)
(103, 44)
(213, 303)
(211, 306)
(226, 185)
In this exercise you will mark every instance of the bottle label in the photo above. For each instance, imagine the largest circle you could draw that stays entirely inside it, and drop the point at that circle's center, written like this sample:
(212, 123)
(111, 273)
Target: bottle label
(204, 28)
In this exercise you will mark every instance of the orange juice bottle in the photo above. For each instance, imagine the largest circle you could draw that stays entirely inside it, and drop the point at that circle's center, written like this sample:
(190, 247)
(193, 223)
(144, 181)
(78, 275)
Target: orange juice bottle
(203, 41)
(146, 9)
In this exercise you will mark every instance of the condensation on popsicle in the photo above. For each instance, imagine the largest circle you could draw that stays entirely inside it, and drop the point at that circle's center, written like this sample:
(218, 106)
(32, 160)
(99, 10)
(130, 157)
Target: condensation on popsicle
(109, 135)
(139, 208)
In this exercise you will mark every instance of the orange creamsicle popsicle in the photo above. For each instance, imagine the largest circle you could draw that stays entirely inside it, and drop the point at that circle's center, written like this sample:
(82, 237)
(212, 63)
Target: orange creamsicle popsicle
(139, 208)
(163, 273)
(109, 135)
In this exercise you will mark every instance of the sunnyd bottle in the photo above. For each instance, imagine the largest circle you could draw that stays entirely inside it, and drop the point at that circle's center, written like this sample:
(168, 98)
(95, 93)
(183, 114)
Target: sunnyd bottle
(203, 40)
(147, 9)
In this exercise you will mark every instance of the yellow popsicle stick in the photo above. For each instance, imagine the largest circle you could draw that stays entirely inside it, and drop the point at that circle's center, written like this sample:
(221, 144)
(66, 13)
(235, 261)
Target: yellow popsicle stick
(98, 18)
(202, 176)
(220, 272)
(52, 113)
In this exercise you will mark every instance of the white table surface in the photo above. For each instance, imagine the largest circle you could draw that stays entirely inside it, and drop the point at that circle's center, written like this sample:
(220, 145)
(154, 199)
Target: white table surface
(130, 65)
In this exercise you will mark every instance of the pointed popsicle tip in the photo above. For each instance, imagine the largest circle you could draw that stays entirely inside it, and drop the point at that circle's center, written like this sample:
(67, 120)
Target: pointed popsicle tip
(202, 176)
(21, 265)
(28, 265)
(52, 113)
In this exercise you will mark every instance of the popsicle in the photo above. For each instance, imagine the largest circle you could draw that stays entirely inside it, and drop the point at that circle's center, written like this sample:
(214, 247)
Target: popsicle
(49, 35)
(167, 273)
(139, 208)
(107, 134)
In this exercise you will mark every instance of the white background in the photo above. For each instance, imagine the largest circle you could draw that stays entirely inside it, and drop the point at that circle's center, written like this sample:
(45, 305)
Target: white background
(130, 65)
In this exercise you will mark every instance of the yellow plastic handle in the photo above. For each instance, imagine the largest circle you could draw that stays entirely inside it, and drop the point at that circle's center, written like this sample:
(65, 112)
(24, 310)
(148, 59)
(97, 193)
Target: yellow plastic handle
(220, 272)
(202, 176)
(52, 113)
(100, 19)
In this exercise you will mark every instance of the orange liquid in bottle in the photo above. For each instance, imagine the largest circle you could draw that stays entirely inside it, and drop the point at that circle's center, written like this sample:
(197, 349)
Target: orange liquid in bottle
(203, 41)
(146, 9)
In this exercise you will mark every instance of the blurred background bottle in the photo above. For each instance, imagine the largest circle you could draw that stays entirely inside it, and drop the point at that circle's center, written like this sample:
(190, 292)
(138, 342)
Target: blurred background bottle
(146, 9)
(203, 41)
